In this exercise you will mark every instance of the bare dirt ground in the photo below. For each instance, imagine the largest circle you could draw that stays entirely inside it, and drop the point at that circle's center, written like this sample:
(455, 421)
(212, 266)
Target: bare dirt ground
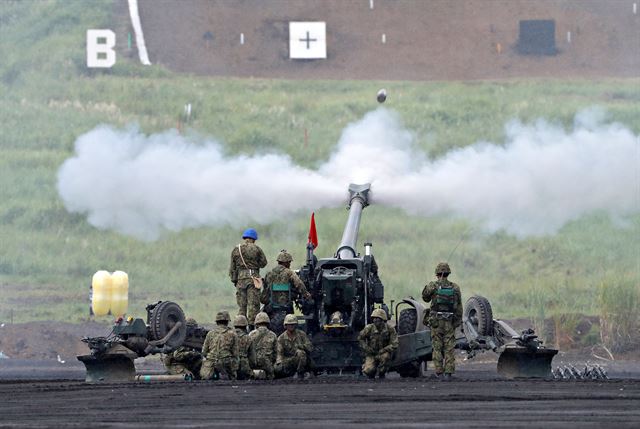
(424, 40)
(476, 398)
(46, 393)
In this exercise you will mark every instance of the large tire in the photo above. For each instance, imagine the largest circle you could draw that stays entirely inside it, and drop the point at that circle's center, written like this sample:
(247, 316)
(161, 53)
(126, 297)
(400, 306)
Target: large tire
(478, 311)
(407, 321)
(277, 322)
(163, 317)
(411, 369)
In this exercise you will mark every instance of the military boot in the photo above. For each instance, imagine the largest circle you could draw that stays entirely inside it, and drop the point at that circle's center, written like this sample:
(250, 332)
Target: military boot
(448, 376)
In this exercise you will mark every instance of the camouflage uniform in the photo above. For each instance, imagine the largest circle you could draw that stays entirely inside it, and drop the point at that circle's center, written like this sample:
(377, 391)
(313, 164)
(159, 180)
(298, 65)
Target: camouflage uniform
(221, 352)
(183, 360)
(445, 316)
(247, 296)
(378, 347)
(262, 350)
(294, 354)
(282, 275)
(244, 369)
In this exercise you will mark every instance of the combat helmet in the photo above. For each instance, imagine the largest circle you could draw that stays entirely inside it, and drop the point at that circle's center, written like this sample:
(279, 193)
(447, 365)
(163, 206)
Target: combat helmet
(290, 319)
(250, 233)
(443, 268)
(240, 321)
(191, 321)
(379, 313)
(223, 316)
(284, 256)
(262, 317)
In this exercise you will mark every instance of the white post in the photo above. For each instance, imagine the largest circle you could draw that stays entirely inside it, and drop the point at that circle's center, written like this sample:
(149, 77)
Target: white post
(568, 36)
(242, 38)
(384, 38)
(635, 8)
(371, 4)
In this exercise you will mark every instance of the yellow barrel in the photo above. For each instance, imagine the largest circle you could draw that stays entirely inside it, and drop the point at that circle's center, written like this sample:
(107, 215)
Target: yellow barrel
(101, 298)
(120, 293)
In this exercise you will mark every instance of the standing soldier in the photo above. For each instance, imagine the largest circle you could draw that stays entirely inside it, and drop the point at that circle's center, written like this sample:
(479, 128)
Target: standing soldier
(220, 349)
(294, 350)
(378, 341)
(283, 276)
(262, 346)
(445, 316)
(184, 360)
(244, 370)
(246, 260)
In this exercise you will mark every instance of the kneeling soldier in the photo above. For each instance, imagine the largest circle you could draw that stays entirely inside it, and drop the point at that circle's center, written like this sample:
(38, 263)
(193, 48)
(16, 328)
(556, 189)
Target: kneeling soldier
(184, 360)
(244, 370)
(262, 346)
(220, 350)
(294, 350)
(378, 341)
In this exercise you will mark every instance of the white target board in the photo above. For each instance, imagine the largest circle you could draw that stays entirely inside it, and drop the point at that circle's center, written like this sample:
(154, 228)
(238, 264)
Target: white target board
(307, 40)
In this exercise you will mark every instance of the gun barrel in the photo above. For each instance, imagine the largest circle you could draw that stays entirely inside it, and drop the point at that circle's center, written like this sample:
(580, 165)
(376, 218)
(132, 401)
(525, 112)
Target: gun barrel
(358, 200)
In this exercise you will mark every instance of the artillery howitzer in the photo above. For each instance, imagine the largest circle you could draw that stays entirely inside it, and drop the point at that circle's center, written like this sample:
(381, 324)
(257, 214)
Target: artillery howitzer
(345, 289)
(348, 285)
(112, 357)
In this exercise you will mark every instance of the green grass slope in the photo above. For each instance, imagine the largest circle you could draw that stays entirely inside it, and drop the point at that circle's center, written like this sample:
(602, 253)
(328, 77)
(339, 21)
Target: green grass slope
(49, 98)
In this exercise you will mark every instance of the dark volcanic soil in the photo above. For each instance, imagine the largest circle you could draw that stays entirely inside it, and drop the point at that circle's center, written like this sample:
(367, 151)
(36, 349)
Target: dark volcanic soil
(324, 402)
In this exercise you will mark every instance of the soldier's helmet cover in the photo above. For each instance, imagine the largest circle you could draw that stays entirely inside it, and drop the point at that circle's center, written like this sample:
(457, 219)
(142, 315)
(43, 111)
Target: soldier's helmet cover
(250, 233)
(379, 313)
(223, 316)
(284, 256)
(240, 321)
(262, 317)
(290, 319)
(191, 321)
(443, 268)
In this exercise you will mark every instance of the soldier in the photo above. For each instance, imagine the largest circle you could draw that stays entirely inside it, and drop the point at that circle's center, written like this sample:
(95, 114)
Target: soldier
(294, 350)
(184, 360)
(378, 341)
(262, 346)
(244, 370)
(283, 275)
(445, 316)
(220, 350)
(246, 260)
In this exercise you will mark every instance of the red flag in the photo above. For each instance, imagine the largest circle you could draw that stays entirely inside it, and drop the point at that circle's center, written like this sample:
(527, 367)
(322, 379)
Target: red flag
(313, 235)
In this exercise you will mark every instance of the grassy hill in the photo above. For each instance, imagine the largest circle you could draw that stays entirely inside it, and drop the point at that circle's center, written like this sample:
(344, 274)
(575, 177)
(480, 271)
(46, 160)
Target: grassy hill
(49, 98)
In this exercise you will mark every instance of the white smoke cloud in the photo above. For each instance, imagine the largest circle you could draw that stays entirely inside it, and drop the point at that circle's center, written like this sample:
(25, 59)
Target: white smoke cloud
(541, 177)
(140, 185)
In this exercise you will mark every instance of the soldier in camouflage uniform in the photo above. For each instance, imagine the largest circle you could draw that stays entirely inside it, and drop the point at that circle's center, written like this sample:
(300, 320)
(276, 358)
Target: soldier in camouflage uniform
(294, 350)
(283, 275)
(220, 349)
(244, 369)
(184, 360)
(378, 341)
(262, 346)
(246, 260)
(445, 316)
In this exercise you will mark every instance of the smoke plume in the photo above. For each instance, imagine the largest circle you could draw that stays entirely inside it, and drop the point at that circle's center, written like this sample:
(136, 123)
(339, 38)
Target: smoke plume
(541, 177)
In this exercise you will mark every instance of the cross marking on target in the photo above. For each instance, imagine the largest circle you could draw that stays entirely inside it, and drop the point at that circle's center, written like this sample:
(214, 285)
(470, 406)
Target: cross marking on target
(307, 40)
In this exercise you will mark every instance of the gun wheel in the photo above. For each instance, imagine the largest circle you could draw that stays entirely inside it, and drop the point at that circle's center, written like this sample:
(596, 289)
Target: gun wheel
(407, 321)
(164, 317)
(411, 369)
(478, 311)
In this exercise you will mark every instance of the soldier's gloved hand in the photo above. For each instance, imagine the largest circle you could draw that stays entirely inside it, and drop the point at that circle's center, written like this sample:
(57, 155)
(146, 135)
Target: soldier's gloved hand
(307, 296)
